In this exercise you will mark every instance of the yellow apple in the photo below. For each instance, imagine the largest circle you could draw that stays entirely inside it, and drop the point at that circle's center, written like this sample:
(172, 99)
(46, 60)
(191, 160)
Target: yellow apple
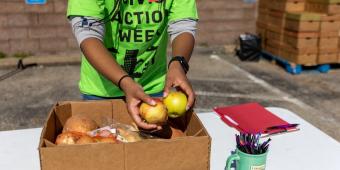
(156, 114)
(176, 103)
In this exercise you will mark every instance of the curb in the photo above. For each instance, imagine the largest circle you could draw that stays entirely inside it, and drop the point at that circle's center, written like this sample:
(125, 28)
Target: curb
(41, 60)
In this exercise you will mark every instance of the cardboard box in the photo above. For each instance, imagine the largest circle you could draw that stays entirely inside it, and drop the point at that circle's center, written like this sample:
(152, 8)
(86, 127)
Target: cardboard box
(272, 50)
(332, 8)
(273, 35)
(328, 48)
(301, 39)
(262, 15)
(324, 1)
(304, 21)
(287, 5)
(327, 58)
(329, 34)
(261, 32)
(274, 47)
(276, 20)
(339, 48)
(298, 57)
(189, 152)
(263, 4)
(330, 23)
(305, 55)
(328, 44)
(306, 50)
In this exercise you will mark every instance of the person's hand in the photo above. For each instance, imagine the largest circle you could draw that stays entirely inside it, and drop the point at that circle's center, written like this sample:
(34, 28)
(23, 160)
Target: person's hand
(135, 95)
(177, 78)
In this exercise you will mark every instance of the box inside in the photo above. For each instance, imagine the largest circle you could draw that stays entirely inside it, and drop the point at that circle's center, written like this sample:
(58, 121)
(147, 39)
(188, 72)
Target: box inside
(103, 113)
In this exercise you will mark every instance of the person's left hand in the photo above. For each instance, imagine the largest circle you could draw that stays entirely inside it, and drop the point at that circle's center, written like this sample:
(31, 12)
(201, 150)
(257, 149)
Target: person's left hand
(177, 78)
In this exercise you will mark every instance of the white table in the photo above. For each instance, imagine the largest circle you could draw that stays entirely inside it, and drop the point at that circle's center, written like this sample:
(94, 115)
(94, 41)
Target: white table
(19, 149)
(308, 148)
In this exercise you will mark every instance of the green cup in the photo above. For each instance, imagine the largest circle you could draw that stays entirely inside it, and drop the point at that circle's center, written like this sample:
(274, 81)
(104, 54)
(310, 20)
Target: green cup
(246, 161)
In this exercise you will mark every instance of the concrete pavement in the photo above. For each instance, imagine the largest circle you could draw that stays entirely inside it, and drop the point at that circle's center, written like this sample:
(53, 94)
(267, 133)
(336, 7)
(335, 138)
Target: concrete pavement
(218, 79)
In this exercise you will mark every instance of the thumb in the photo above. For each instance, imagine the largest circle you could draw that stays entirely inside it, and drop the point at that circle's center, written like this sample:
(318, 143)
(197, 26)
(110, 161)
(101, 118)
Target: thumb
(147, 99)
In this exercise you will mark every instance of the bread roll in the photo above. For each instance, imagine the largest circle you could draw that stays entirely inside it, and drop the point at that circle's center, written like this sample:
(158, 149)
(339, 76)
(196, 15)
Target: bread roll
(80, 124)
(67, 138)
(85, 139)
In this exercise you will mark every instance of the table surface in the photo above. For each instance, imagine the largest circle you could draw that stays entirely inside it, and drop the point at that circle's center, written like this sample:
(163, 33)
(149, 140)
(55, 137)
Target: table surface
(308, 148)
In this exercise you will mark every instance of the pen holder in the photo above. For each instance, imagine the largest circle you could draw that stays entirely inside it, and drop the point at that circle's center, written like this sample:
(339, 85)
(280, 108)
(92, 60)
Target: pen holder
(246, 161)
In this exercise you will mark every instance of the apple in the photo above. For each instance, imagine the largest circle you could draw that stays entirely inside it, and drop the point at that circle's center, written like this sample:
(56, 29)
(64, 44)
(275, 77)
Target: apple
(156, 114)
(176, 103)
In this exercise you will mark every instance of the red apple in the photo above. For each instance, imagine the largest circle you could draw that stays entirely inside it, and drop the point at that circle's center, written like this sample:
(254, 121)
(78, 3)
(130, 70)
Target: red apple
(176, 103)
(154, 114)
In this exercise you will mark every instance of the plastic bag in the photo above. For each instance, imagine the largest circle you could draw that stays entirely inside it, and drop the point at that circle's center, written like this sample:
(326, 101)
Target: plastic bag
(122, 132)
(250, 47)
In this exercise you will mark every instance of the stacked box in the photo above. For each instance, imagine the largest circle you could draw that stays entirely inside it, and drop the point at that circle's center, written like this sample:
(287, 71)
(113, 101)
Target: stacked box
(300, 47)
(301, 38)
(262, 20)
(271, 15)
(287, 5)
(276, 20)
(261, 23)
(306, 34)
(275, 30)
(263, 4)
(330, 23)
(339, 47)
(328, 46)
(323, 6)
(261, 32)
(300, 22)
(299, 56)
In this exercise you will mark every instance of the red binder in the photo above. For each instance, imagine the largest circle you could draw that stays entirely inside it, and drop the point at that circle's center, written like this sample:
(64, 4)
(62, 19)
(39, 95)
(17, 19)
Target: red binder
(249, 118)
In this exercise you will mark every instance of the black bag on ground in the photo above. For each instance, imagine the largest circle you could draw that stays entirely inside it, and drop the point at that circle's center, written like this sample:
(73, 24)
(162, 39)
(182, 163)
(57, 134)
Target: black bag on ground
(250, 47)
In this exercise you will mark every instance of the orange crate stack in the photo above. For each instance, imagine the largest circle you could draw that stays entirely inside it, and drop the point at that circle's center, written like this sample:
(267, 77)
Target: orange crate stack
(302, 32)
(301, 38)
(329, 44)
(323, 6)
(271, 22)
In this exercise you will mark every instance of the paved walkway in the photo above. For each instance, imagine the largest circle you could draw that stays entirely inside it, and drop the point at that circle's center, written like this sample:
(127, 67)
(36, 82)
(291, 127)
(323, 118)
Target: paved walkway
(217, 78)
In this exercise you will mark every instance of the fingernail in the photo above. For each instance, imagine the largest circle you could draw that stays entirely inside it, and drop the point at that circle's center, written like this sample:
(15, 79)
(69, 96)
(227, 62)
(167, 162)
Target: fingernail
(165, 94)
(187, 108)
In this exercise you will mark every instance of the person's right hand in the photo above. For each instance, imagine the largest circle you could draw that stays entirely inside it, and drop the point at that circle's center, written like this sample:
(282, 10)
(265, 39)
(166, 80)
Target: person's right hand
(135, 95)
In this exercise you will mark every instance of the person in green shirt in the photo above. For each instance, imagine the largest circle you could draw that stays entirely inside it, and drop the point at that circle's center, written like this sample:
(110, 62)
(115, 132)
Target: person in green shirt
(124, 46)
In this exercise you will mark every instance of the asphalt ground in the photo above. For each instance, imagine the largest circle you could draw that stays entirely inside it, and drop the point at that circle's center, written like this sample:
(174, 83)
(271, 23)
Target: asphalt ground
(219, 79)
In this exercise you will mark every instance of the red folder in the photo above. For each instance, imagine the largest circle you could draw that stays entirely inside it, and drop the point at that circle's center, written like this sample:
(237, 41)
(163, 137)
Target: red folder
(249, 118)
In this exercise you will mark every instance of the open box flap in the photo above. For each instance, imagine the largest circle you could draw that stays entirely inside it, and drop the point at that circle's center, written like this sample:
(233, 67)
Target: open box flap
(48, 131)
(120, 112)
(99, 111)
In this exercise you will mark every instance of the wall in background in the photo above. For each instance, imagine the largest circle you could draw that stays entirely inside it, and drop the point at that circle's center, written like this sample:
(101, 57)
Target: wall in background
(35, 28)
(43, 29)
(222, 21)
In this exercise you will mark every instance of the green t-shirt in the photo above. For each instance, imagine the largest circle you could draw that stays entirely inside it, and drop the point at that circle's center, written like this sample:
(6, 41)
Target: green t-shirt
(137, 38)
